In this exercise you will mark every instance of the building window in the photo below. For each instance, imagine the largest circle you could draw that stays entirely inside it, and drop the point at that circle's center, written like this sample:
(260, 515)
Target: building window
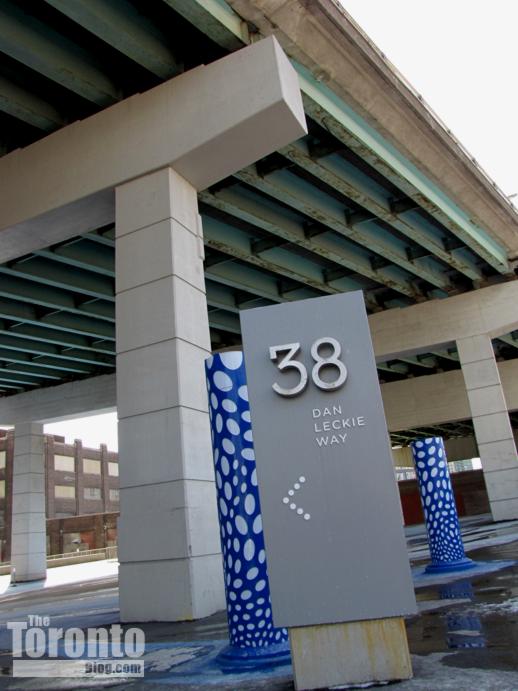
(113, 469)
(2, 460)
(92, 493)
(2, 489)
(64, 463)
(91, 466)
(64, 492)
(114, 495)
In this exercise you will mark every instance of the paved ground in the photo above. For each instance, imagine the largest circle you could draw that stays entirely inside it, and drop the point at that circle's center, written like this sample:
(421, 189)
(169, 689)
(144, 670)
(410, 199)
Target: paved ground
(464, 639)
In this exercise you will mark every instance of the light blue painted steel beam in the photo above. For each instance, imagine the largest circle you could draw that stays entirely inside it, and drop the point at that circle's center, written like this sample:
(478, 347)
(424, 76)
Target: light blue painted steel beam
(102, 237)
(60, 276)
(322, 208)
(450, 354)
(83, 255)
(341, 176)
(118, 23)
(42, 362)
(60, 338)
(393, 367)
(330, 111)
(215, 19)
(26, 106)
(221, 297)
(218, 319)
(27, 314)
(262, 284)
(252, 209)
(20, 379)
(508, 340)
(39, 347)
(324, 106)
(237, 243)
(33, 43)
(37, 374)
(29, 291)
(6, 388)
(424, 361)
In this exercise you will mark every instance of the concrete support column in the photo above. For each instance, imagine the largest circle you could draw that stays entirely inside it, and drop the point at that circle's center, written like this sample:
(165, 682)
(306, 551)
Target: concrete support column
(492, 426)
(168, 531)
(29, 542)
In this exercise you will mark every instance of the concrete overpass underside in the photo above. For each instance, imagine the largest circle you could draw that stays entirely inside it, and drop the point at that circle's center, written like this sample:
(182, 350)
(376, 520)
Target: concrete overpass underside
(377, 196)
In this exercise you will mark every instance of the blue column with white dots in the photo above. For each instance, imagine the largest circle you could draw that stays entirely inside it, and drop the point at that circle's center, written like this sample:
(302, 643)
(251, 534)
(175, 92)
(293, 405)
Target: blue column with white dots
(254, 641)
(440, 511)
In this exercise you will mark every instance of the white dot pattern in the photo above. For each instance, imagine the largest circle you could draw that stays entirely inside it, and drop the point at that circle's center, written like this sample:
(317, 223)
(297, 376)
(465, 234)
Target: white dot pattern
(292, 504)
(438, 501)
(244, 561)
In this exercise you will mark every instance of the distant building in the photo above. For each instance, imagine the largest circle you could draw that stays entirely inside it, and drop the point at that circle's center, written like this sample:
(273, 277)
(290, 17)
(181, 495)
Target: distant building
(82, 495)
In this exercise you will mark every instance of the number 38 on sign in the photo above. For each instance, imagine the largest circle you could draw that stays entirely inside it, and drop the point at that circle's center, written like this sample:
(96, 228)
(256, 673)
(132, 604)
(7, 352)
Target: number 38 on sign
(289, 363)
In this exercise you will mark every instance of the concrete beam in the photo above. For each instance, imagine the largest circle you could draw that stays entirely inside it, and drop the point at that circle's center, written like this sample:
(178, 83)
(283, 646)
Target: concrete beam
(417, 402)
(204, 140)
(439, 398)
(91, 396)
(421, 327)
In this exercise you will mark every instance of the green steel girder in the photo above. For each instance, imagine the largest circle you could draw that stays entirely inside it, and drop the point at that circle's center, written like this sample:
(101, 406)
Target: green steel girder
(450, 354)
(21, 380)
(43, 362)
(26, 313)
(103, 236)
(10, 341)
(300, 195)
(221, 297)
(22, 104)
(82, 254)
(244, 205)
(335, 116)
(51, 375)
(26, 39)
(225, 321)
(119, 24)
(393, 367)
(60, 276)
(7, 388)
(28, 291)
(260, 283)
(56, 337)
(334, 172)
(233, 241)
(508, 340)
(425, 361)
(215, 19)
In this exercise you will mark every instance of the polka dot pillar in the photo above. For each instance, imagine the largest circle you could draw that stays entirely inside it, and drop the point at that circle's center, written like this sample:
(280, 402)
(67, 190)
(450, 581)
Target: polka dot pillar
(247, 589)
(438, 501)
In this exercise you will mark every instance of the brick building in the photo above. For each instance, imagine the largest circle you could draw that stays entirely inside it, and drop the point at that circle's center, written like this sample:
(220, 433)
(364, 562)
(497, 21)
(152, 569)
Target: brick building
(82, 495)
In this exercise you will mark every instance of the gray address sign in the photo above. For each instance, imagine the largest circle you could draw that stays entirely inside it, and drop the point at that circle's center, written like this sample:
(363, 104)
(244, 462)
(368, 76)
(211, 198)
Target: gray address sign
(330, 507)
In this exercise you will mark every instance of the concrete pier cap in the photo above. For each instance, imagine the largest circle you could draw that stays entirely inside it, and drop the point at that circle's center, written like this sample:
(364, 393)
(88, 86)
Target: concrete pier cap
(205, 124)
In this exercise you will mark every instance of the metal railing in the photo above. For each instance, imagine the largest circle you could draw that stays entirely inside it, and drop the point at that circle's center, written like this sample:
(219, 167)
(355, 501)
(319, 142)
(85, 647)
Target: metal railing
(82, 556)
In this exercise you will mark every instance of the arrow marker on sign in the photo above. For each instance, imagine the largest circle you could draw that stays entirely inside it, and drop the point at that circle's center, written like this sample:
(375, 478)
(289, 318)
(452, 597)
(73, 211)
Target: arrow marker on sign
(289, 500)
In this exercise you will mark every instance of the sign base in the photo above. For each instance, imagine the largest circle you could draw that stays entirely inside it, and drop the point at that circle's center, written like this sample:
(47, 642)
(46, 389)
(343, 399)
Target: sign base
(356, 652)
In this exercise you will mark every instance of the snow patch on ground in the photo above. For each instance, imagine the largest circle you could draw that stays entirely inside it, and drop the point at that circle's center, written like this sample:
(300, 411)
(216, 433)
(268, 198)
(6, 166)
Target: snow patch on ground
(431, 674)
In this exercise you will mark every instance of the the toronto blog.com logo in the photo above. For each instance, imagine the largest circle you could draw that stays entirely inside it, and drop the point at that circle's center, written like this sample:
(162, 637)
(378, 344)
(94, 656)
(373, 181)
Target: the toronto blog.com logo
(41, 650)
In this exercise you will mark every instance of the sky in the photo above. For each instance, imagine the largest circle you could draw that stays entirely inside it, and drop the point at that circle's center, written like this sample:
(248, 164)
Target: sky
(462, 57)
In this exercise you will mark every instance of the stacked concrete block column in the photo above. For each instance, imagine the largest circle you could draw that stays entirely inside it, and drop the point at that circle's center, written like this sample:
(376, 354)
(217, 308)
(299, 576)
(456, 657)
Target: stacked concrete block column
(29, 542)
(492, 426)
(170, 562)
